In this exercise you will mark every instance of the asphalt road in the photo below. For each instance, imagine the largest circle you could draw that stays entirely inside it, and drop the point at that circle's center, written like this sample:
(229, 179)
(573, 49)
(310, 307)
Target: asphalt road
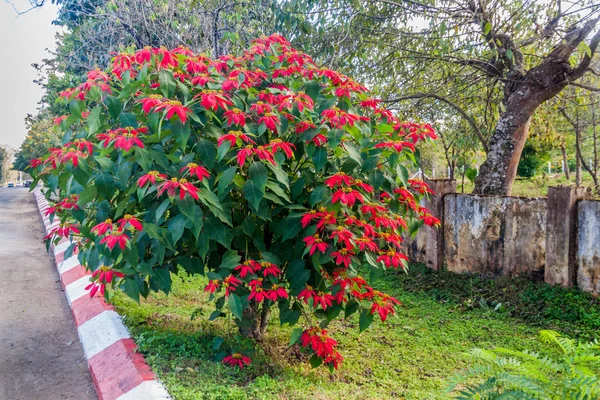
(40, 355)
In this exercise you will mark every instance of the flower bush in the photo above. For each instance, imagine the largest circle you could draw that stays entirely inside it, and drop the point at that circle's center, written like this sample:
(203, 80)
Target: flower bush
(279, 181)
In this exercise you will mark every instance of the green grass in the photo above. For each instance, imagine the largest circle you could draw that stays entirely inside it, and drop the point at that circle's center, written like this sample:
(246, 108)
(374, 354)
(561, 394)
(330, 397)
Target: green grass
(411, 356)
(533, 187)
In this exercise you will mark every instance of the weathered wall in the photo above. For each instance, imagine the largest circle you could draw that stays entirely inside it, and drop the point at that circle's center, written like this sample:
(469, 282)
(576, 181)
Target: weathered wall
(495, 235)
(427, 245)
(588, 246)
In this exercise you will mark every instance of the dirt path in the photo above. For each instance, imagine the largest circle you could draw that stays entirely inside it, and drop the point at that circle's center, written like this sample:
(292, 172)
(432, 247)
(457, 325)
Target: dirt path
(40, 354)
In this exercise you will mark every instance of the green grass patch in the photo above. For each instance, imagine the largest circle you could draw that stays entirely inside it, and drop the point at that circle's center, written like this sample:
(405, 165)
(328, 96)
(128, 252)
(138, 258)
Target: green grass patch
(411, 356)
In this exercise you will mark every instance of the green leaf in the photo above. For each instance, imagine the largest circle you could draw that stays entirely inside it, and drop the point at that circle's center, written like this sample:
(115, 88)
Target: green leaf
(167, 82)
(365, 320)
(297, 274)
(253, 194)
(129, 89)
(207, 152)
(217, 342)
(235, 305)
(176, 227)
(143, 159)
(319, 158)
(471, 174)
(217, 231)
(293, 226)
(275, 188)
(230, 260)
(181, 133)
(105, 185)
(161, 280)
(318, 195)
(225, 179)
(188, 206)
(131, 288)
(258, 175)
(295, 336)
(509, 54)
(93, 120)
(280, 174)
(89, 193)
(487, 28)
(114, 106)
(128, 120)
(315, 361)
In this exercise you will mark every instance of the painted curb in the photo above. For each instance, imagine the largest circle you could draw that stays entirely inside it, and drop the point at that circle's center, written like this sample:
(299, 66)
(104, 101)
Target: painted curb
(118, 372)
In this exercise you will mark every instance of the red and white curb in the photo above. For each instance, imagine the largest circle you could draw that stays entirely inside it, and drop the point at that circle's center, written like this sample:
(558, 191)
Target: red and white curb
(118, 372)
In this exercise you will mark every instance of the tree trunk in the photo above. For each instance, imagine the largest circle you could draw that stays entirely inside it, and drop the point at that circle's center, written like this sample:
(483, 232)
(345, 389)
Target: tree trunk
(578, 157)
(564, 155)
(524, 92)
(260, 320)
(499, 170)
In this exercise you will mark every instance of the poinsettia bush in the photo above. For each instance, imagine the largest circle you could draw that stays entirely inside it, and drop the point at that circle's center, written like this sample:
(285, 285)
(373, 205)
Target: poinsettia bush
(277, 180)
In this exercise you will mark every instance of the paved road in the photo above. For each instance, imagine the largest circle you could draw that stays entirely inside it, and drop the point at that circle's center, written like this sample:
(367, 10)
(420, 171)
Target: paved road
(40, 355)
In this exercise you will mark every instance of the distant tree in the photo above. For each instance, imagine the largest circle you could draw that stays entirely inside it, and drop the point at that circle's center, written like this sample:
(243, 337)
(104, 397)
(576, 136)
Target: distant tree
(2, 159)
(506, 56)
(41, 136)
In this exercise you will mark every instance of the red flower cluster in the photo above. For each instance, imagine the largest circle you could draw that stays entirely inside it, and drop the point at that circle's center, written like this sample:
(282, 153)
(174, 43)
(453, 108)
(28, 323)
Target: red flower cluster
(173, 185)
(64, 230)
(123, 138)
(322, 345)
(237, 360)
(102, 277)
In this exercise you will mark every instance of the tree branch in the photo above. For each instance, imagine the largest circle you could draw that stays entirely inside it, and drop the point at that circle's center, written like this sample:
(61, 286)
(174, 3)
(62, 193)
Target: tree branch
(451, 104)
(586, 87)
(585, 63)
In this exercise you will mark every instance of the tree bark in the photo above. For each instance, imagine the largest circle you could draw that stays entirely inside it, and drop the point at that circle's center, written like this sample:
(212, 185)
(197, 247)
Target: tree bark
(523, 94)
(259, 321)
(578, 154)
(565, 163)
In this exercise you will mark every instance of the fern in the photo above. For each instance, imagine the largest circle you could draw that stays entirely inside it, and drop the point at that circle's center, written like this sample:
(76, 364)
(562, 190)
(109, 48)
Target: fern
(570, 372)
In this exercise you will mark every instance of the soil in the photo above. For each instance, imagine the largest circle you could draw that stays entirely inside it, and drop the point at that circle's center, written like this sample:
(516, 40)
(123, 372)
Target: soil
(40, 354)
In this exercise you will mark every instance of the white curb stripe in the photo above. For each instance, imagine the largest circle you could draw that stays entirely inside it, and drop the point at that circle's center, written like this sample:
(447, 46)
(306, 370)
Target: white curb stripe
(100, 332)
(76, 290)
(59, 248)
(146, 390)
(68, 264)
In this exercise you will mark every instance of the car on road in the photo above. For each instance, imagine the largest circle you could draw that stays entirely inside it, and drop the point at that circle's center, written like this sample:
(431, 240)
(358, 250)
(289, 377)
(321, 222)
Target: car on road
(10, 185)
(27, 184)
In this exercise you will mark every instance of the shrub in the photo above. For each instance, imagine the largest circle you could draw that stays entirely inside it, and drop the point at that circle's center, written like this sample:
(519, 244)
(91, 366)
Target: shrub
(532, 159)
(276, 179)
(570, 372)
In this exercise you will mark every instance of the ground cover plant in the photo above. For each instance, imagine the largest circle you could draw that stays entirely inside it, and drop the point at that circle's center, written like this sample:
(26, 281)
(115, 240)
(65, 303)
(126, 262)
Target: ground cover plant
(275, 179)
(414, 355)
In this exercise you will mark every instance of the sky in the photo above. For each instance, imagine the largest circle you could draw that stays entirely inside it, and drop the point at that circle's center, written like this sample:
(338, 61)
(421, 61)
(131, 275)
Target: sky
(23, 41)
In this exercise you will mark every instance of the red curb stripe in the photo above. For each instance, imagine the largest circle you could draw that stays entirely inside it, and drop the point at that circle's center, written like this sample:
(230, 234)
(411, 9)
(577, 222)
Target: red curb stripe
(85, 308)
(118, 369)
(72, 275)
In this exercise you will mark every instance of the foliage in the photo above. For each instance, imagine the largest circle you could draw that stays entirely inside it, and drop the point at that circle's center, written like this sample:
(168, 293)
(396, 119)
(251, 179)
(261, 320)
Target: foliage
(251, 171)
(570, 372)
(532, 159)
(2, 159)
(41, 136)
(571, 311)
(411, 356)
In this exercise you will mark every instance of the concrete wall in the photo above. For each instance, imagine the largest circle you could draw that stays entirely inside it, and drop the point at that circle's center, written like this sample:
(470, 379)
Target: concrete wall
(495, 235)
(588, 246)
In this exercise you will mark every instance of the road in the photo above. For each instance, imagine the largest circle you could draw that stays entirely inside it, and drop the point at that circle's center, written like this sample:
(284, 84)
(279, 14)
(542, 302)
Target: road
(40, 355)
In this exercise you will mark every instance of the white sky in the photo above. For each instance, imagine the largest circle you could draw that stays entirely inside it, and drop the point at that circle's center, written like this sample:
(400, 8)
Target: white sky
(23, 41)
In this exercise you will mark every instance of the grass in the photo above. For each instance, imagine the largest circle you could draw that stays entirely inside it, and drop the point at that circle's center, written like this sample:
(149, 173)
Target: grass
(533, 187)
(411, 356)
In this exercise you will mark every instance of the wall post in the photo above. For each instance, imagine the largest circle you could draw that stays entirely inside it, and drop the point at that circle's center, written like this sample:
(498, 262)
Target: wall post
(561, 234)
(434, 241)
